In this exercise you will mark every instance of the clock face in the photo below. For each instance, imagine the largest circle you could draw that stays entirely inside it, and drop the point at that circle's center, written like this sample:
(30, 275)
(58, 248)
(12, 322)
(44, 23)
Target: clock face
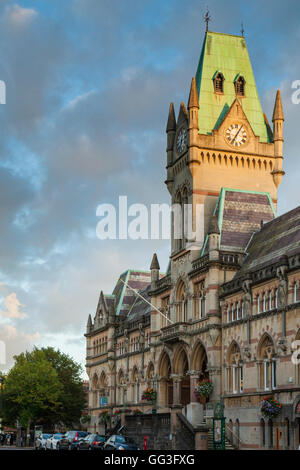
(236, 135)
(181, 140)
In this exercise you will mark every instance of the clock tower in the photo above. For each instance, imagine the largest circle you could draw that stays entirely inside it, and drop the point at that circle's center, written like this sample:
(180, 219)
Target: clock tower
(223, 139)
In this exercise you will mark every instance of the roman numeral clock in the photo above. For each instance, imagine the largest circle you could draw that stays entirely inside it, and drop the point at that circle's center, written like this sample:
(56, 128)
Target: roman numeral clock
(236, 135)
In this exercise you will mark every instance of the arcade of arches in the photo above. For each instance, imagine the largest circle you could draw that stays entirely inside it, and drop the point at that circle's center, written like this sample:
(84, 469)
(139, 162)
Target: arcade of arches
(179, 376)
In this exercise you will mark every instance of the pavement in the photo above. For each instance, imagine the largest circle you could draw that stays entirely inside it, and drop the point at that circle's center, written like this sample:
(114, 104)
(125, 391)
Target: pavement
(15, 448)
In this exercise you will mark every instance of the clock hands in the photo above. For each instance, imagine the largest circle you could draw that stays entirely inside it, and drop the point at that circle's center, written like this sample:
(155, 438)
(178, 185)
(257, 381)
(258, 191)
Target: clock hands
(236, 135)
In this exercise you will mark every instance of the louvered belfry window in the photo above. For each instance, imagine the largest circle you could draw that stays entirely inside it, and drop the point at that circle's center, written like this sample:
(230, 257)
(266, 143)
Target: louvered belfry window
(240, 86)
(219, 83)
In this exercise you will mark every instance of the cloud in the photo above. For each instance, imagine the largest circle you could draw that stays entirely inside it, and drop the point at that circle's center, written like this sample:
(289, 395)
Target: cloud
(12, 306)
(88, 90)
(19, 17)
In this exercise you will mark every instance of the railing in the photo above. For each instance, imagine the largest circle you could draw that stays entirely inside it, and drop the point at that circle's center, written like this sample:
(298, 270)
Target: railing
(229, 433)
(185, 436)
(200, 262)
(173, 331)
(164, 282)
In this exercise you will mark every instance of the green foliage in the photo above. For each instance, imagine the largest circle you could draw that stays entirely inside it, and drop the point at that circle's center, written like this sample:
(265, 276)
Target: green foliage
(44, 387)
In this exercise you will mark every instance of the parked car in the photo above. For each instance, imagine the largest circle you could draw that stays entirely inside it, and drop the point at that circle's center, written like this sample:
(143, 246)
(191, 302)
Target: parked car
(51, 442)
(70, 440)
(92, 442)
(40, 442)
(120, 442)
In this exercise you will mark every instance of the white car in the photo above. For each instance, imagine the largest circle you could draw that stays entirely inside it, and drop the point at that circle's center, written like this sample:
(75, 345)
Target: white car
(53, 440)
(40, 443)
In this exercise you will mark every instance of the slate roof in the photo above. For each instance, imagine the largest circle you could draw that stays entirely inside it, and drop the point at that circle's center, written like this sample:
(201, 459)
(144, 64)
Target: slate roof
(227, 54)
(275, 239)
(239, 215)
(125, 297)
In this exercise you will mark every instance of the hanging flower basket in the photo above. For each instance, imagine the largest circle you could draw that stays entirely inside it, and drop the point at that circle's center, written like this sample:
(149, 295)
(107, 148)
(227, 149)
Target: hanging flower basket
(136, 412)
(204, 388)
(116, 413)
(149, 395)
(270, 408)
(104, 416)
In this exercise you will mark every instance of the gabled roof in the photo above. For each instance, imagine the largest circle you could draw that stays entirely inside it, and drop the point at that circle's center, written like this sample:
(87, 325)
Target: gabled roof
(277, 238)
(239, 214)
(125, 297)
(227, 54)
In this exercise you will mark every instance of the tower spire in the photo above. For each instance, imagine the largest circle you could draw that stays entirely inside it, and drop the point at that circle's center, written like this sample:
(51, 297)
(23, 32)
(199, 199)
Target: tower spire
(193, 98)
(278, 110)
(171, 124)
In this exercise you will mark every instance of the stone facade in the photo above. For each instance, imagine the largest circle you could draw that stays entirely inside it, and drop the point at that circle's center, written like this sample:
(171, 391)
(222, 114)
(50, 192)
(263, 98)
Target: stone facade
(229, 310)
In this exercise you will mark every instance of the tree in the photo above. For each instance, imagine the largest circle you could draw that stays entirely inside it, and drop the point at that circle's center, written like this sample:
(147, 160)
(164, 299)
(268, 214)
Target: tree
(44, 387)
(73, 397)
(32, 390)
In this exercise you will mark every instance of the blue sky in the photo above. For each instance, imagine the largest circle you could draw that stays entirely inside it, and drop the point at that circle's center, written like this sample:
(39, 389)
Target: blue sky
(89, 84)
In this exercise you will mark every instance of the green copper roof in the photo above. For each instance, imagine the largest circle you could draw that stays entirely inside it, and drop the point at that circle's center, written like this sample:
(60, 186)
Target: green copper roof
(227, 54)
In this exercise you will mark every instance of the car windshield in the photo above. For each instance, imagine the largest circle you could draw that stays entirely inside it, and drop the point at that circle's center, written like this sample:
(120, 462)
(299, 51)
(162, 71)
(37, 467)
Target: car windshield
(46, 436)
(99, 438)
(126, 439)
(57, 436)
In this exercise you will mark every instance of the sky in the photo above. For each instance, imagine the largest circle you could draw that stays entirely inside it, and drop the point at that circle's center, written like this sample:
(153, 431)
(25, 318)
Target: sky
(88, 87)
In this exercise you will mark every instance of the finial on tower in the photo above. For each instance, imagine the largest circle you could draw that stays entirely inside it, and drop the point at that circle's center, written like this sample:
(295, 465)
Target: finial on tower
(207, 18)
(242, 30)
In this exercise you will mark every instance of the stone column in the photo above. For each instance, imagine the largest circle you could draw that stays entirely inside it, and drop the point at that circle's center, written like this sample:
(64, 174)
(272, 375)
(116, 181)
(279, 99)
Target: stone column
(176, 388)
(194, 409)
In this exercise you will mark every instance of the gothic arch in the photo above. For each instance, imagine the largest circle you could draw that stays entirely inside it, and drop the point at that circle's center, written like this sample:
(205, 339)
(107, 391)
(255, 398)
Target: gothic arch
(233, 350)
(103, 380)
(265, 341)
(164, 364)
(95, 382)
(198, 356)
(181, 360)
(150, 371)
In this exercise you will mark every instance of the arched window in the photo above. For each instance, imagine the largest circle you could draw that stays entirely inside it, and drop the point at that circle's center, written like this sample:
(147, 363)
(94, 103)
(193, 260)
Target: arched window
(267, 364)
(240, 86)
(237, 311)
(270, 300)
(181, 303)
(228, 313)
(243, 309)
(296, 292)
(235, 379)
(135, 386)
(258, 303)
(219, 83)
(121, 398)
(264, 302)
(276, 298)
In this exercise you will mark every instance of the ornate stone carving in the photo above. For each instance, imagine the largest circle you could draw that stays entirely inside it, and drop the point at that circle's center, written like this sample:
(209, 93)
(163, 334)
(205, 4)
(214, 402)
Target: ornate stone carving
(214, 334)
(247, 299)
(283, 286)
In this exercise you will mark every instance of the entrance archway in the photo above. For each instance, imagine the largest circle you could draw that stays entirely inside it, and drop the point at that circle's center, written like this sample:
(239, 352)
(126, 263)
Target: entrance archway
(199, 363)
(181, 368)
(166, 382)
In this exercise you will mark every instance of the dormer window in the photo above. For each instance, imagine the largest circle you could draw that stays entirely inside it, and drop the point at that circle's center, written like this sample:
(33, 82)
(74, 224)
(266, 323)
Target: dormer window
(219, 83)
(240, 86)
